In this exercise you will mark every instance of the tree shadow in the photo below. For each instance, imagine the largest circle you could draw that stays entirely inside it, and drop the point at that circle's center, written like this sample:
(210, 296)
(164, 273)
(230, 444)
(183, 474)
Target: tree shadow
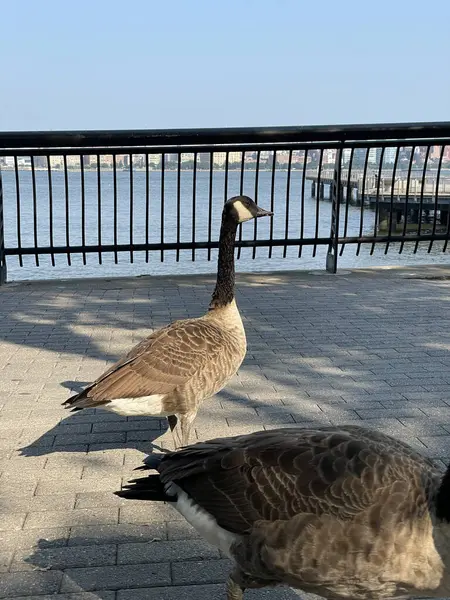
(142, 563)
(59, 316)
(306, 361)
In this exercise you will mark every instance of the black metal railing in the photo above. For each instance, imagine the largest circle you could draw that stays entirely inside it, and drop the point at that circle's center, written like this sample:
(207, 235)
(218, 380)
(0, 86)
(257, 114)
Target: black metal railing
(136, 193)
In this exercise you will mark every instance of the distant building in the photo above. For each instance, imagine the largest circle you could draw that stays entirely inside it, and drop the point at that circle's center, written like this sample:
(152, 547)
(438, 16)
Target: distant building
(221, 157)
(138, 160)
(282, 157)
(313, 156)
(373, 156)
(389, 155)
(106, 160)
(122, 160)
(298, 157)
(329, 156)
(235, 157)
(435, 152)
(40, 162)
(24, 161)
(56, 162)
(73, 161)
(346, 155)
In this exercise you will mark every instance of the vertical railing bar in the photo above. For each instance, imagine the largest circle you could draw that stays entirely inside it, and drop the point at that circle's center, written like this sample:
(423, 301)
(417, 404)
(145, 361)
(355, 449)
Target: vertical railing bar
(348, 196)
(19, 215)
(35, 209)
(163, 156)
(115, 209)
(363, 197)
(316, 233)
(408, 181)
(147, 205)
(225, 187)
(288, 199)
(3, 274)
(436, 198)
(302, 202)
(272, 202)
(424, 174)
(241, 191)
(131, 209)
(177, 257)
(210, 202)
(394, 171)
(255, 221)
(194, 201)
(444, 249)
(99, 209)
(50, 208)
(335, 196)
(83, 212)
(377, 198)
(67, 208)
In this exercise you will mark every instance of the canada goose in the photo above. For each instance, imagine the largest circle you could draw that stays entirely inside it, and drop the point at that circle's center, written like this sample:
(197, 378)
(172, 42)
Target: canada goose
(342, 512)
(174, 369)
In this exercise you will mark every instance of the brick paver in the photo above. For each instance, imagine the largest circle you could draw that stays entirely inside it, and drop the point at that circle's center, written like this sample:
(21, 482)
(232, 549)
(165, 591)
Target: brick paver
(369, 347)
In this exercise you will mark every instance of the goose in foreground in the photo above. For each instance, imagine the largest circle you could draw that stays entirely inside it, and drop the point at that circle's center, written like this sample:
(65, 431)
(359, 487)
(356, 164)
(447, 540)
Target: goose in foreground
(342, 512)
(173, 370)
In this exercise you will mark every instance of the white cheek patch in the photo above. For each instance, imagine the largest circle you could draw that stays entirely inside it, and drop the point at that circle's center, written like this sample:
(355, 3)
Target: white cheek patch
(243, 213)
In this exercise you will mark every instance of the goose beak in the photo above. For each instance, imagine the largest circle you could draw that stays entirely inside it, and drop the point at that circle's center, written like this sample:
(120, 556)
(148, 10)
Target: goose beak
(263, 213)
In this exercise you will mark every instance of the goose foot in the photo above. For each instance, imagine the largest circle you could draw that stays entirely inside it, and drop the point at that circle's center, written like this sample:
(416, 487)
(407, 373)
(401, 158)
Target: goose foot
(234, 590)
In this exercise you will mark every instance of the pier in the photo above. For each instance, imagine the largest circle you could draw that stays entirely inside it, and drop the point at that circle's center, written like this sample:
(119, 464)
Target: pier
(414, 201)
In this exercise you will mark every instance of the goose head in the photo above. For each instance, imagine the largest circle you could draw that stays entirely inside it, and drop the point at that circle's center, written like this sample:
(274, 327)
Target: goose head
(243, 208)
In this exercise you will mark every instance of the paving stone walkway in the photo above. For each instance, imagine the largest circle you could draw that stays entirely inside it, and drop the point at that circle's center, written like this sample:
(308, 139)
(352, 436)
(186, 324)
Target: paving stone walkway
(369, 347)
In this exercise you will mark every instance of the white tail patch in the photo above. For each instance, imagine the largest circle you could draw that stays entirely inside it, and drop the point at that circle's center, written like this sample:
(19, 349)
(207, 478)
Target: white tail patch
(202, 521)
(150, 406)
(243, 213)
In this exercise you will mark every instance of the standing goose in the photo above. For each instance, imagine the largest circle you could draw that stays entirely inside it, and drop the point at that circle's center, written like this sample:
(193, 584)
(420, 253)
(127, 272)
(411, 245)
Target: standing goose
(174, 369)
(342, 512)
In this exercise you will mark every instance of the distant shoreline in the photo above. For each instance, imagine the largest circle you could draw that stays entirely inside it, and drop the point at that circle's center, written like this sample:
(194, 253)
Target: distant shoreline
(143, 169)
(249, 167)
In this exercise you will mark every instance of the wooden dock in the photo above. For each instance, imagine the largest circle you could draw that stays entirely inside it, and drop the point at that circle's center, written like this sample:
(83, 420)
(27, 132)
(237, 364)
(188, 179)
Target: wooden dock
(416, 201)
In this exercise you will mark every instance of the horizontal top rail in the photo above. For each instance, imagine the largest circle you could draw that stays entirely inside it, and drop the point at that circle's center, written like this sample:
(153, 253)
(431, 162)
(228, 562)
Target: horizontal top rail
(231, 135)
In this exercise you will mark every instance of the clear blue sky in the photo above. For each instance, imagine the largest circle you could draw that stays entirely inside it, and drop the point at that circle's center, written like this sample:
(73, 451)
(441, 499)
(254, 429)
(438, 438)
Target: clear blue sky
(107, 64)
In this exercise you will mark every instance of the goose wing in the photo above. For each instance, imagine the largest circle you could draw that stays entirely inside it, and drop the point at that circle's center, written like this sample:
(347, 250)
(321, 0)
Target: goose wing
(166, 359)
(276, 475)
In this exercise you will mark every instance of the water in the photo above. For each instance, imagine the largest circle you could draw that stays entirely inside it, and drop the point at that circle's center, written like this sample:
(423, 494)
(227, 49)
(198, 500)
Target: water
(281, 222)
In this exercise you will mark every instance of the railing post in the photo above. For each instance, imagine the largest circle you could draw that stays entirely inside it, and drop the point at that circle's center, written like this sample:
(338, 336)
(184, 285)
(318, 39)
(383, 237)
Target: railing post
(336, 191)
(2, 237)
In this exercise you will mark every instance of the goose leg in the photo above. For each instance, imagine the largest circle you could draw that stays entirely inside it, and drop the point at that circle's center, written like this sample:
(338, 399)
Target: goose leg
(239, 581)
(234, 590)
(173, 423)
(186, 426)
(180, 426)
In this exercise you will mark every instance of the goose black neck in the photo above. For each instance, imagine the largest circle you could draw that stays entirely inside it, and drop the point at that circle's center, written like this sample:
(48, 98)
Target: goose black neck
(224, 291)
(443, 498)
